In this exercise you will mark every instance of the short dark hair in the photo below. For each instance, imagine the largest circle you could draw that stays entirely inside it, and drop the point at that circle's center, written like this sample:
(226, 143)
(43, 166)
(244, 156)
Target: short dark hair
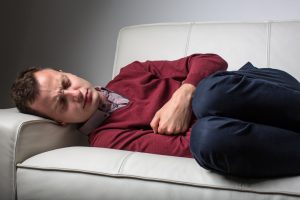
(25, 90)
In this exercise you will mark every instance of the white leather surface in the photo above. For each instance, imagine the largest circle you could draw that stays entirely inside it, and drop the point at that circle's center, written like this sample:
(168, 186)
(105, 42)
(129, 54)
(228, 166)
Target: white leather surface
(236, 43)
(265, 44)
(91, 173)
(23, 136)
(285, 47)
(78, 186)
(151, 42)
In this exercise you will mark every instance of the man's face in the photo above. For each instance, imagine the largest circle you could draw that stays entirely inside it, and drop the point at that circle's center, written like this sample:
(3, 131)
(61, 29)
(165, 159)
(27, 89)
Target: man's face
(65, 97)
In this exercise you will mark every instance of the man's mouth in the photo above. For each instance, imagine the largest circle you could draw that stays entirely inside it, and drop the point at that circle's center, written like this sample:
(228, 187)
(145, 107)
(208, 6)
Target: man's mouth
(86, 98)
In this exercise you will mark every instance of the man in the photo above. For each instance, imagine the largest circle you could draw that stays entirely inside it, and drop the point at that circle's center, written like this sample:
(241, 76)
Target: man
(155, 97)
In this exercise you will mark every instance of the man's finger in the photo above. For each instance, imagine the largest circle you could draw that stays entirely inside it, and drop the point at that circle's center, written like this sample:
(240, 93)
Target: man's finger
(154, 123)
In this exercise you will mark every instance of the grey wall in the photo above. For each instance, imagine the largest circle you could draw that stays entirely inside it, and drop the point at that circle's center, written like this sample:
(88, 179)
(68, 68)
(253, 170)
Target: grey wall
(80, 35)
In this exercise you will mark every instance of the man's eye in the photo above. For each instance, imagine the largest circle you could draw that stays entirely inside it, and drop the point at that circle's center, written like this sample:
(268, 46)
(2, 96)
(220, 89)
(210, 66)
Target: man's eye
(66, 83)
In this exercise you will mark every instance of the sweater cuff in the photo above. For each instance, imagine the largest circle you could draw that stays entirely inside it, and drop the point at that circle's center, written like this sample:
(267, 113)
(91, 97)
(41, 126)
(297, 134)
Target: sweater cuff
(194, 80)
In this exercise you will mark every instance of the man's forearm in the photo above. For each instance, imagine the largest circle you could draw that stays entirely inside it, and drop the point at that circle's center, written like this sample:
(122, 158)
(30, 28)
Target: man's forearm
(174, 117)
(185, 92)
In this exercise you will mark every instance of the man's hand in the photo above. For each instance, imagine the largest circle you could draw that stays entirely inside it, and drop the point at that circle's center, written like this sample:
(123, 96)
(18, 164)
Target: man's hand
(174, 117)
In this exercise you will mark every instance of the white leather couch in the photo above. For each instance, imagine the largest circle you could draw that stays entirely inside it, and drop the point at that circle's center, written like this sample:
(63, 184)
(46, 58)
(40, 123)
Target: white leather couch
(41, 160)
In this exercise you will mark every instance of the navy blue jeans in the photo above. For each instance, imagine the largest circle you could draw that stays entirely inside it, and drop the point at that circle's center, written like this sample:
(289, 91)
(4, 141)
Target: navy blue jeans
(248, 123)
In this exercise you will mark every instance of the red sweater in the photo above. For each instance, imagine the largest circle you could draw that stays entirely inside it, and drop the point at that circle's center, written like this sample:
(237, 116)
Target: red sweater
(148, 86)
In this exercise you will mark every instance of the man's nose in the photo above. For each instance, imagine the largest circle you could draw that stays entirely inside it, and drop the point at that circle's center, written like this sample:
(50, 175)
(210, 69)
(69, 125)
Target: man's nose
(73, 95)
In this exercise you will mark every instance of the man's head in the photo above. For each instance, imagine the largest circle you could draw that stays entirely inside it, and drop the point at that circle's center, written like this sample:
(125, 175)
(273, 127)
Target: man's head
(54, 94)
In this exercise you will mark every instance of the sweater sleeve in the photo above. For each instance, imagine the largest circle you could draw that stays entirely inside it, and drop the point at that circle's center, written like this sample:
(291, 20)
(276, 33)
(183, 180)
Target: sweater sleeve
(191, 69)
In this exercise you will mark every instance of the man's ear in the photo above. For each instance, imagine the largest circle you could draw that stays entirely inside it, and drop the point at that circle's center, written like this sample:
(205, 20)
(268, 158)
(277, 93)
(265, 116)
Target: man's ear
(57, 69)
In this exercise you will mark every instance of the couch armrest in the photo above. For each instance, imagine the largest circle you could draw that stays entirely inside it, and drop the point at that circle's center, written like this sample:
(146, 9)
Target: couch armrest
(22, 136)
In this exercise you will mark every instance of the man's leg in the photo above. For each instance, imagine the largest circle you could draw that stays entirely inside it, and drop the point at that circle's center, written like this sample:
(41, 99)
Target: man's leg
(250, 99)
(263, 110)
(239, 148)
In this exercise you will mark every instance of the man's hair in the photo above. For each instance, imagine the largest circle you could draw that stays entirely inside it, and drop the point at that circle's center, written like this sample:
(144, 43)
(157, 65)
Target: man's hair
(25, 90)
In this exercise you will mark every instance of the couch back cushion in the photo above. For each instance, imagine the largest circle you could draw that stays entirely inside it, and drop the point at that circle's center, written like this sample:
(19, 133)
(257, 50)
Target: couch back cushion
(265, 44)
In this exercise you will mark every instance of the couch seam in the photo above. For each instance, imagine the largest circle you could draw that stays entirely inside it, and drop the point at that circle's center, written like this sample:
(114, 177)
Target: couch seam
(187, 45)
(268, 43)
(124, 162)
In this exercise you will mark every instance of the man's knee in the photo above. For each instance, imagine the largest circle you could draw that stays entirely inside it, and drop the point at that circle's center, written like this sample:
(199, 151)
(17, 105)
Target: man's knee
(208, 146)
(217, 141)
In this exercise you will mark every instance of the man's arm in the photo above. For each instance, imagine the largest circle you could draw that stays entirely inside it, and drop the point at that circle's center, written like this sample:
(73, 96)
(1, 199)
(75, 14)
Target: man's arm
(174, 117)
(190, 69)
